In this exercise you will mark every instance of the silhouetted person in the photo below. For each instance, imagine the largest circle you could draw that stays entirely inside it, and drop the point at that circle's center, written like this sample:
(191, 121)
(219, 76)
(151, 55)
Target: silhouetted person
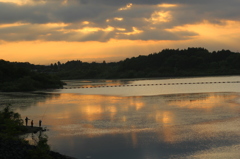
(26, 120)
(32, 123)
(40, 123)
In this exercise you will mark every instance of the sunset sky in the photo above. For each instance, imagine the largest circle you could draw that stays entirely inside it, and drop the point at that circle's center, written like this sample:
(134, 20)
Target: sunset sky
(47, 31)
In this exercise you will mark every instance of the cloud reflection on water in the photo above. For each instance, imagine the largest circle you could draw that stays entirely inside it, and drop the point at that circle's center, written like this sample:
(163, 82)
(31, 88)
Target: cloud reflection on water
(205, 102)
(95, 115)
(161, 125)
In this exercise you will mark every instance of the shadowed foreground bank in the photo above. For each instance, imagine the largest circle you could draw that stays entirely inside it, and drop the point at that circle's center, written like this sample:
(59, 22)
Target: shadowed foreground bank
(12, 146)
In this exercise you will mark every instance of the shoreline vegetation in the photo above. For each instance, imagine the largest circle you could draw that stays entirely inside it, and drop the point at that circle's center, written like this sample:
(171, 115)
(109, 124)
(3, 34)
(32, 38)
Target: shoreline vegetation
(17, 77)
(191, 62)
(14, 146)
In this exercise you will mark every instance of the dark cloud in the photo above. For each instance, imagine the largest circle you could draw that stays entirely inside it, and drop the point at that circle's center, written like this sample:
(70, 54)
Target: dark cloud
(38, 32)
(104, 13)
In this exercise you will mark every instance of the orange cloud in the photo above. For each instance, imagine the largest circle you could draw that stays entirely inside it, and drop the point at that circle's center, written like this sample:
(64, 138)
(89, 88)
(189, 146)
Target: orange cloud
(227, 32)
(210, 36)
(39, 52)
(128, 6)
(160, 16)
(166, 5)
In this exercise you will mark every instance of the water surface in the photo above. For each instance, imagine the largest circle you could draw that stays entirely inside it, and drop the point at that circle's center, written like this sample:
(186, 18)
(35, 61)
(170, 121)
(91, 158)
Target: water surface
(140, 121)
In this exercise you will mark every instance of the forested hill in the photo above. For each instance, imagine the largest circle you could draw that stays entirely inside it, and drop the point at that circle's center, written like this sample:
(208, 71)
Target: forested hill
(167, 63)
(15, 76)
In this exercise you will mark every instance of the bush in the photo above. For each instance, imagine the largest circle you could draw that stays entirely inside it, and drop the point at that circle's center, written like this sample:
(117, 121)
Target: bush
(10, 122)
(11, 125)
(41, 149)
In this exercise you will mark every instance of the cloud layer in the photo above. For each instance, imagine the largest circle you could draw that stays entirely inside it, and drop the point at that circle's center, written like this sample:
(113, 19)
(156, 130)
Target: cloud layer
(102, 20)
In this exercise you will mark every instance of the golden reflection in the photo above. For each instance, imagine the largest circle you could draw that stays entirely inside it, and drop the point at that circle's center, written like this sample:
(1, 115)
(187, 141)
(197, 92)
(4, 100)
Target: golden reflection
(124, 108)
(164, 117)
(87, 107)
(169, 134)
(124, 118)
(90, 109)
(82, 100)
(63, 116)
(167, 117)
(53, 117)
(92, 112)
(137, 104)
(96, 115)
(134, 139)
(206, 103)
(112, 110)
(158, 117)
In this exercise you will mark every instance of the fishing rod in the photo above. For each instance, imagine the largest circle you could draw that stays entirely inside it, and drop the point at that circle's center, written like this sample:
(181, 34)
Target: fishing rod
(44, 113)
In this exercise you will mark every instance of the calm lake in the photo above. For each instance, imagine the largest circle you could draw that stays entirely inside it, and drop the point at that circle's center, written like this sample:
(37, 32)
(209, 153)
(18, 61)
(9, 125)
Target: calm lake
(138, 118)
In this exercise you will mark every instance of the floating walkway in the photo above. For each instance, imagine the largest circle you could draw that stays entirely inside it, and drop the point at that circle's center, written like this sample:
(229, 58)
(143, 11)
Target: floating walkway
(158, 84)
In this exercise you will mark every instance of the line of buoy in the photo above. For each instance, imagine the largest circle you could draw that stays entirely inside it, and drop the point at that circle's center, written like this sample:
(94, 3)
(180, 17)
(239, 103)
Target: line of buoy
(102, 86)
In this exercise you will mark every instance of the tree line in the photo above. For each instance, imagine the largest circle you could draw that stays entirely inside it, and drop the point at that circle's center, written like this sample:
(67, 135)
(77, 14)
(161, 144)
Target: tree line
(167, 63)
(17, 76)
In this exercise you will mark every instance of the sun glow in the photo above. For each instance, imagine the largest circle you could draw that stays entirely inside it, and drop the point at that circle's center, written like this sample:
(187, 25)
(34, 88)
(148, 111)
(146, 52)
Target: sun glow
(18, 2)
(160, 16)
(165, 5)
(12, 25)
(226, 31)
(128, 6)
(135, 31)
(25, 2)
(47, 25)
(85, 22)
(164, 117)
(95, 29)
(92, 112)
(118, 19)
(121, 29)
(54, 25)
